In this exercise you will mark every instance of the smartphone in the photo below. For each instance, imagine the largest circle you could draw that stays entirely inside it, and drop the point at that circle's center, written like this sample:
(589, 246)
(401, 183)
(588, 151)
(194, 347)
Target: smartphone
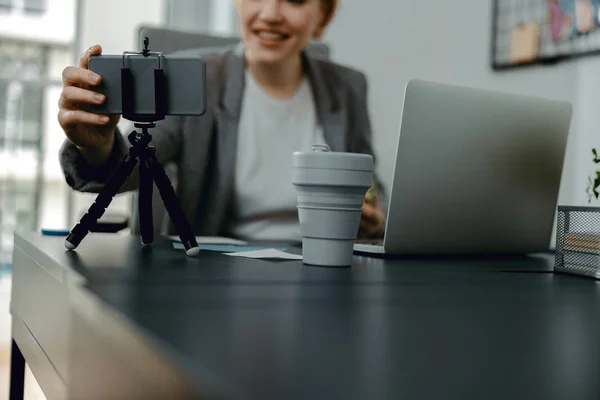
(185, 81)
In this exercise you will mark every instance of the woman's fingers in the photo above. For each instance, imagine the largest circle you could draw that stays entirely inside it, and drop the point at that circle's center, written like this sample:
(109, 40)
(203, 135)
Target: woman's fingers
(372, 219)
(85, 57)
(367, 225)
(83, 128)
(80, 76)
(369, 213)
(71, 97)
(68, 118)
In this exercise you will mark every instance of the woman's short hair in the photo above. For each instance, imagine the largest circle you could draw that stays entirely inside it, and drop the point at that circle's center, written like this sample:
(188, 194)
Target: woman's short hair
(329, 8)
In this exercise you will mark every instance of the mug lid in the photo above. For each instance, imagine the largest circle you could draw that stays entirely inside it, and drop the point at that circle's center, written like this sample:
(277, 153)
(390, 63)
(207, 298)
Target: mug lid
(323, 158)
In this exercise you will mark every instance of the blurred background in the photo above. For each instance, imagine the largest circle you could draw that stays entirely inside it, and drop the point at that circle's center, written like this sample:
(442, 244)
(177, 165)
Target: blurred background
(481, 43)
(38, 39)
(545, 48)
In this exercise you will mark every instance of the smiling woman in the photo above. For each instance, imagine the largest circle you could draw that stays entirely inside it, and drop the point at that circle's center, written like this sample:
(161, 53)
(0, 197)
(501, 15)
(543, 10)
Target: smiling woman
(276, 30)
(272, 98)
(275, 33)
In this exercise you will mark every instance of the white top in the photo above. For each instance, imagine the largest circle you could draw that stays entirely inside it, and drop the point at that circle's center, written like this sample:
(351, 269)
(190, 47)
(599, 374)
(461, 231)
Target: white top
(270, 131)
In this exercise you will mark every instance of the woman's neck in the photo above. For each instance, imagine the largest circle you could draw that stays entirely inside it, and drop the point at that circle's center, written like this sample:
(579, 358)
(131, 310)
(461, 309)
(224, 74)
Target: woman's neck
(281, 80)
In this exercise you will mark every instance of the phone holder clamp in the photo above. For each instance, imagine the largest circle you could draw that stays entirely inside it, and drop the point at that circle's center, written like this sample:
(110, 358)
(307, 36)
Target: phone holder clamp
(128, 89)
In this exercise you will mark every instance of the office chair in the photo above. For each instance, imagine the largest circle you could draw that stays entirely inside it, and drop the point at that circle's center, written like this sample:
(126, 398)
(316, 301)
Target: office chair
(169, 41)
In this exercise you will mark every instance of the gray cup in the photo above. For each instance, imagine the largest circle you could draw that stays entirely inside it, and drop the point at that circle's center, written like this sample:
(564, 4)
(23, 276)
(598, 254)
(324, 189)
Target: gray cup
(331, 190)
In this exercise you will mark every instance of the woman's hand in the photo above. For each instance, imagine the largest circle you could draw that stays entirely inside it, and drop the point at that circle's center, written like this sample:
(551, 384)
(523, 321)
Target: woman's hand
(373, 218)
(93, 134)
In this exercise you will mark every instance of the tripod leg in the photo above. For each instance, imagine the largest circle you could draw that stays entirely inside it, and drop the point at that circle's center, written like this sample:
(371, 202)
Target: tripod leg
(172, 205)
(145, 204)
(96, 210)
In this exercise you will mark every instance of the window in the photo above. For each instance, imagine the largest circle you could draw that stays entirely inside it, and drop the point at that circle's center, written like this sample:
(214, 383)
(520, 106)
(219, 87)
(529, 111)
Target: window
(3, 101)
(23, 84)
(5, 5)
(21, 93)
(31, 104)
(34, 6)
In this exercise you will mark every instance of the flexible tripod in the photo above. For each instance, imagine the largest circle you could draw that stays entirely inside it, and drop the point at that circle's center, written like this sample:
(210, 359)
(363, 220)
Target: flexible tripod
(150, 169)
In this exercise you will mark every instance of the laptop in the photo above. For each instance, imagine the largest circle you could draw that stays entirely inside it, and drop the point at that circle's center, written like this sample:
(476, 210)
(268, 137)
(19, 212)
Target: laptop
(476, 172)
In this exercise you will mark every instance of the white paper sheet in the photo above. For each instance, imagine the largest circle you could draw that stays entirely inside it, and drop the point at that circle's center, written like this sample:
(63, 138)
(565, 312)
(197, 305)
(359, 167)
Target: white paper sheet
(214, 240)
(272, 254)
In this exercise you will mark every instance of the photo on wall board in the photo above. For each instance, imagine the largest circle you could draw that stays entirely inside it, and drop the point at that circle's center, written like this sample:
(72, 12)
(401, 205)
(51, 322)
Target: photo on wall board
(584, 17)
(560, 19)
(525, 42)
(529, 32)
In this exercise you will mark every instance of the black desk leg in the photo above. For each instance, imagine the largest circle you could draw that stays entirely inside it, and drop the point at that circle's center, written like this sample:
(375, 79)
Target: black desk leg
(17, 373)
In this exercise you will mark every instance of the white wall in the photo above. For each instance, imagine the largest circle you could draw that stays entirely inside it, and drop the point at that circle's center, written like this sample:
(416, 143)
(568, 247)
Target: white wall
(223, 18)
(214, 16)
(393, 41)
(586, 103)
(189, 15)
(113, 23)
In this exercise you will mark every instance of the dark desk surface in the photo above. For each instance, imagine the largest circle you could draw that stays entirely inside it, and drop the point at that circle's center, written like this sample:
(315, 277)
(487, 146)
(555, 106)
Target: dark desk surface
(409, 328)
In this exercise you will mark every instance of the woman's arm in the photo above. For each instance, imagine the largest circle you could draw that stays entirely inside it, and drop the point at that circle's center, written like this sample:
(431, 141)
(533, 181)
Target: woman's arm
(167, 138)
(360, 138)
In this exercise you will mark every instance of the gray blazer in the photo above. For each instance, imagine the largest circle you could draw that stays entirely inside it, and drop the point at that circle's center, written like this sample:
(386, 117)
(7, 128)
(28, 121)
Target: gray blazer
(204, 147)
